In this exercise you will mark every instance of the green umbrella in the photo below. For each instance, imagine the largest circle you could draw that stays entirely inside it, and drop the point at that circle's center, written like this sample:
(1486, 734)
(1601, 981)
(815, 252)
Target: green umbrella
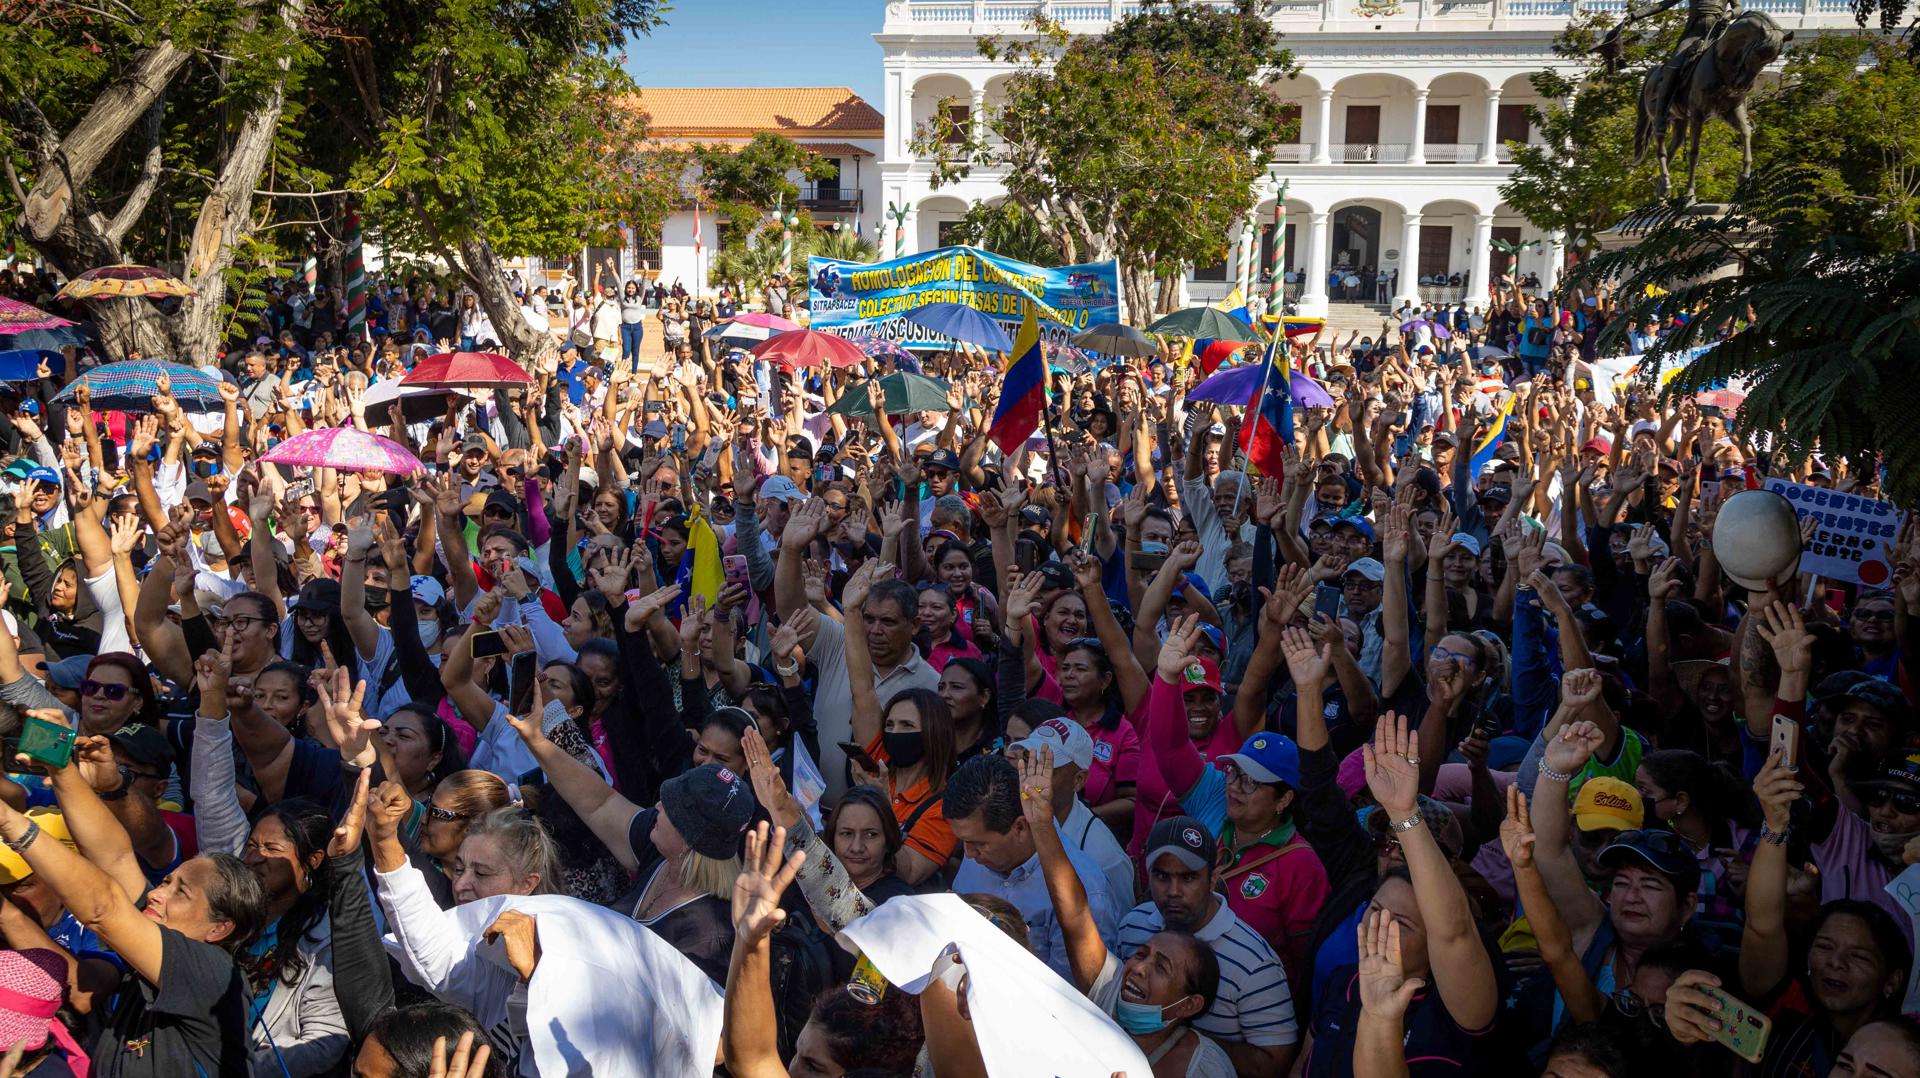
(1199, 323)
(904, 393)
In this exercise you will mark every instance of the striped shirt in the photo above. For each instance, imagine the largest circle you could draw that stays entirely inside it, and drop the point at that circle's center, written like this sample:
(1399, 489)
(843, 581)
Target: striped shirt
(1255, 1006)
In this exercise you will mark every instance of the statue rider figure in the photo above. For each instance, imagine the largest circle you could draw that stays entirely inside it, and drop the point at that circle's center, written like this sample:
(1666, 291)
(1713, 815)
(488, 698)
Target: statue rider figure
(1705, 20)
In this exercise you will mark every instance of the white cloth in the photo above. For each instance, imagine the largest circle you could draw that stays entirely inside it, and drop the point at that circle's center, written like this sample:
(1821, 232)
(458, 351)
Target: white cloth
(1026, 889)
(609, 998)
(1037, 1023)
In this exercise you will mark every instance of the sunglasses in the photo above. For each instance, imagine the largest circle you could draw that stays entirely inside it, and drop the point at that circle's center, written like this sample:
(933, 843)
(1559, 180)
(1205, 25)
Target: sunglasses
(115, 693)
(1880, 795)
(446, 815)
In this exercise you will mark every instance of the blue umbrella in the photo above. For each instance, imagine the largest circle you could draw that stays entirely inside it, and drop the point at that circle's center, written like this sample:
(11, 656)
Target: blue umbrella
(1236, 386)
(22, 364)
(129, 385)
(962, 323)
(42, 340)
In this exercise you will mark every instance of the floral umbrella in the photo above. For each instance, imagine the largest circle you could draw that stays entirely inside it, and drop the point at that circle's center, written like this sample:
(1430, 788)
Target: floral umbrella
(125, 281)
(18, 317)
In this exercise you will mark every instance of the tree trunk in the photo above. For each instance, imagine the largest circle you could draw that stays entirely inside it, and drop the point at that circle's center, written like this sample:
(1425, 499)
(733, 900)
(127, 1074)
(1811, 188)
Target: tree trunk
(1136, 284)
(480, 266)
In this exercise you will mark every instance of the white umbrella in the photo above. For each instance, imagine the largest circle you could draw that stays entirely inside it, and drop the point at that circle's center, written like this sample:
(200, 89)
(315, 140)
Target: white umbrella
(416, 402)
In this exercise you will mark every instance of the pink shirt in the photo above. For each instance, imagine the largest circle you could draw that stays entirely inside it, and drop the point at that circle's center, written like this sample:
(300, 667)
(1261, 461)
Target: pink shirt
(1116, 761)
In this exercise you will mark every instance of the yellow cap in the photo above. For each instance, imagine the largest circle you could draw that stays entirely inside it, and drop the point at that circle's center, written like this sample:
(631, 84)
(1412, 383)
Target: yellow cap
(13, 867)
(1606, 803)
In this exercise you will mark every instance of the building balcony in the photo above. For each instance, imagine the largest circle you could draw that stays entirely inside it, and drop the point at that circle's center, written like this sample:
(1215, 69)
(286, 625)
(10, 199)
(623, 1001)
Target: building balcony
(830, 200)
(1002, 16)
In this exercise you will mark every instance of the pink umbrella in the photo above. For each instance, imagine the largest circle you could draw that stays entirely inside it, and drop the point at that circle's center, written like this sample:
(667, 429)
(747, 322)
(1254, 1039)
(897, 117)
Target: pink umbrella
(452, 370)
(18, 317)
(346, 449)
(809, 348)
(766, 321)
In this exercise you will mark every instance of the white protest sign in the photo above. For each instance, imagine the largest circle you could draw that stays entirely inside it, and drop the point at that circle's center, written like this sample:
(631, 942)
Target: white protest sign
(1905, 889)
(1853, 540)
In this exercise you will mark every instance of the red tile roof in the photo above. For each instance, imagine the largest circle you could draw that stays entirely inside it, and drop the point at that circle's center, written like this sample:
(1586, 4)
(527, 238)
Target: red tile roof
(793, 111)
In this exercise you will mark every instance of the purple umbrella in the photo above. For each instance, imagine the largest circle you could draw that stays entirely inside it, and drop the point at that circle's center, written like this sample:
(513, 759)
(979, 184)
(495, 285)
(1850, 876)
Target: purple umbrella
(1440, 331)
(1237, 385)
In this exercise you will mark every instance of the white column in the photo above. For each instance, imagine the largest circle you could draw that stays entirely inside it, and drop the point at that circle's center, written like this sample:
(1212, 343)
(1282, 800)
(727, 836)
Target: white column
(904, 151)
(896, 119)
(1556, 257)
(1481, 274)
(977, 116)
(1322, 141)
(1313, 291)
(1488, 155)
(1410, 260)
(1417, 153)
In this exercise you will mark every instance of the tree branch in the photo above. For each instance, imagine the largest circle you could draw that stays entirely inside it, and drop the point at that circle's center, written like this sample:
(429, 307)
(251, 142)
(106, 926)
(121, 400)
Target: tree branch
(136, 203)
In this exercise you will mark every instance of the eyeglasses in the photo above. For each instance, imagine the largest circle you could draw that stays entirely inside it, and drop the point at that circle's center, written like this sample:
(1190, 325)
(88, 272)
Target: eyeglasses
(1630, 1005)
(128, 774)
(1441, 654)
(243, 622)
(115, 693)
(1880, 795)
(446, 815)
(1238, 779)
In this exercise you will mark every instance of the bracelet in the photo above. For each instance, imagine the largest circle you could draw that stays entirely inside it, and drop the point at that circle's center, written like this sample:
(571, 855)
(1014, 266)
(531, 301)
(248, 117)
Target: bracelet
(1558, 776)
(786, 669)
(1408, 824)
(20, 845)
(1771, 837)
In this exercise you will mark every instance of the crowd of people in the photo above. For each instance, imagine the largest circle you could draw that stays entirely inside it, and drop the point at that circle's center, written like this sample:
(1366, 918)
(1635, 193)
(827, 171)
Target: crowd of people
(1450, 748)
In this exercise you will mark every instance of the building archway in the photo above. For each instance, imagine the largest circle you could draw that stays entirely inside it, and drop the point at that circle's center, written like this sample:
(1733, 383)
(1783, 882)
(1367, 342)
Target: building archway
(1359, 238)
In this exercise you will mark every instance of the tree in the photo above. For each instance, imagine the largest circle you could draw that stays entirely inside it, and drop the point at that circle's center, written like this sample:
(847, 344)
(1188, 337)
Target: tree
(742, 184)
(1142, 144)
(1581, 179)
(1824, 327)
(1006, 229)
(844, 244)
(81, 84)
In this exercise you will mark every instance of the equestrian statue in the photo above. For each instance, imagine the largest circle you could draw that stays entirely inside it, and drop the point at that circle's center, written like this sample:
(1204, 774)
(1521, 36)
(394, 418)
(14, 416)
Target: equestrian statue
(1710, 74)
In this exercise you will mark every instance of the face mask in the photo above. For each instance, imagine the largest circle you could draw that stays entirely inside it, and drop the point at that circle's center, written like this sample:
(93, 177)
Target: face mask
(1141, 1018)
(1153, 547)
(429, 633)
(1892, 846)
(905, 748)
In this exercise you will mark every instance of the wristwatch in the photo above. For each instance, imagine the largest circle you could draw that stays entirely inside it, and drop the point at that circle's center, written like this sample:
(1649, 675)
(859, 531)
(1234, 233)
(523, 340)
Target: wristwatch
(1408, 824)
(126, 783)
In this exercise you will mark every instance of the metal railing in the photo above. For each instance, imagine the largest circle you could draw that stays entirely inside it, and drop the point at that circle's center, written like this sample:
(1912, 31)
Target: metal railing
(1451, 153)
(830, 199)
(1370, 153)
(1005, 14)
(1292, 153)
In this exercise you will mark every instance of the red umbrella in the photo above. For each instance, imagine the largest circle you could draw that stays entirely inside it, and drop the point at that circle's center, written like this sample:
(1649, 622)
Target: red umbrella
(809, 348)
(486, 370)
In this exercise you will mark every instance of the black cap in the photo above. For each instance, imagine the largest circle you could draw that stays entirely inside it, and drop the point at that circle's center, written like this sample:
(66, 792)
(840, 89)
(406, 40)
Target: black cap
(1856, 685)
(318, 595)
(710, 806)
(1662, 851)
(1498, 495)
(144, 745)
(942, 458)
(1035, 515)
(1185, 838)
(1056, 575)
(503, 501)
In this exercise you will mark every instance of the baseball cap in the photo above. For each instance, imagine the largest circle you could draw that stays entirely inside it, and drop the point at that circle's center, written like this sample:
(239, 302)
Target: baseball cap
(710, 807)
(781, 489)
(1056, 575)
(502, 501)
(1644, 426)
(1901, 767)
(30, 406)
(1467, 543)
(473, 443)
(1445, 437)
(1036, 515)
(1605, 803)
(197, 492)
(942, 458)
(1598, 445)
(1269, 757)
(1069, 741)
(1498, 495)
(1662, 851)
(44, 474)
(144, 744)
(1359, 524)
(1202, 674)
(1186, 838)
(321, 595)
(1368, 568)
(68, 673)
(13, 867)
(427, 590)
(1864, 688)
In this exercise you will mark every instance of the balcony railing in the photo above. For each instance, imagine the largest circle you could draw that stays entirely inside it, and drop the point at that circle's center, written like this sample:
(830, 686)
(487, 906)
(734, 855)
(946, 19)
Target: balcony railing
(1370, 153)
(1089, 14)
(1292, 153)
(830, 200)
(1451, 153)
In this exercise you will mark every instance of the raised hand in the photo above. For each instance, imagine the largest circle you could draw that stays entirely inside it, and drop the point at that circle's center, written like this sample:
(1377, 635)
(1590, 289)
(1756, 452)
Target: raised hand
(346, 837)
(1546, 594)
(1516, 831)
(1580, 689)
(646, 606)
(1185, 556)
(124, 534)
(853, 598)
(1036, 788)
(388, 806)
(1023, 597)
(1393, 766)
(1781, 626)
(468, 1061)
(1576, 743)
(1664, 582)
(1086, 569)
(768, 786)
(763, 879)
(814, 575)
(1385, 989)
(341, 708)
(1176, 654)
(785, 643)
(1307, 661)
(519, 933)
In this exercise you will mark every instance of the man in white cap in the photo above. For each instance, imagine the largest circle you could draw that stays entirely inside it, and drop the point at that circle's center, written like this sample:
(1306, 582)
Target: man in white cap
(1072, 756)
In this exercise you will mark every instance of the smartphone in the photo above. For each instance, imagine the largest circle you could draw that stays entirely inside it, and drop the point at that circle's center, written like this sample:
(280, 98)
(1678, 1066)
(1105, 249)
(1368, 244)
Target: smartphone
(1147, 561)
(735, 568)
(1326, 600)
(486, 644)
(1026, 555)
(860, 756)
(1487, 728)
(823, 474)
(679, 437)
(656, 407)
(1785, 741)
(47, 743)
(1743, 1029)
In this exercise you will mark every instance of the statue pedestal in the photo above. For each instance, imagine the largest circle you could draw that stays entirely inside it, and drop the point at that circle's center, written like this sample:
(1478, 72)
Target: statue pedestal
(1636, 225)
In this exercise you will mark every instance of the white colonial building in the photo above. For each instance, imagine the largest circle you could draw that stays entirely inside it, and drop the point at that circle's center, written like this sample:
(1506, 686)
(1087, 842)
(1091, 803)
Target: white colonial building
(1406, 109)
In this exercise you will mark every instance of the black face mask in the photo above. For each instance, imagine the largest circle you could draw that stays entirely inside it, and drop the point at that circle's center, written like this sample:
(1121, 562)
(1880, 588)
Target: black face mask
(905, 748)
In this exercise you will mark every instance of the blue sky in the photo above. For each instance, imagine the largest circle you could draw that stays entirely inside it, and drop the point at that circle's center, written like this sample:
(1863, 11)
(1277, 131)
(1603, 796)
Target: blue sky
(763, 43)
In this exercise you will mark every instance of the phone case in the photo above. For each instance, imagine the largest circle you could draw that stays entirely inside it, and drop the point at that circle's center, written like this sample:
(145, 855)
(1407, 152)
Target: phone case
(46, 742)
(1744, 1030)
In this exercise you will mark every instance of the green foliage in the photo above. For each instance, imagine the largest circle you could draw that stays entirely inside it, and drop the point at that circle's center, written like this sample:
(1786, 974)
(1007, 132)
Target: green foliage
(1581, 178)
(1141, 144)
(745, 183)
(1825, 327)
(843, 244)
(1006, 229)
(748, 265)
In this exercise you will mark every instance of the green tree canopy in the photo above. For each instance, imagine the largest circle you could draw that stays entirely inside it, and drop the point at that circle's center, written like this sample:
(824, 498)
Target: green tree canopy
(1141, 144)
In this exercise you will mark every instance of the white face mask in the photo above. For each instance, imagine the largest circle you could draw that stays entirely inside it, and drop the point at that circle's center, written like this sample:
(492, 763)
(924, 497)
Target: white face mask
(429, 633)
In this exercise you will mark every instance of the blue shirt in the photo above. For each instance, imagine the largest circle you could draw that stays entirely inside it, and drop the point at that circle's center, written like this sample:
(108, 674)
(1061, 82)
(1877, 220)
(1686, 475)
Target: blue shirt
(1025, 888)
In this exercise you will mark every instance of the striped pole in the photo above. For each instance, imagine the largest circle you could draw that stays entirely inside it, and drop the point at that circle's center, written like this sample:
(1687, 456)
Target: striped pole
(356, 279)
(1277, 287)
(310, 272)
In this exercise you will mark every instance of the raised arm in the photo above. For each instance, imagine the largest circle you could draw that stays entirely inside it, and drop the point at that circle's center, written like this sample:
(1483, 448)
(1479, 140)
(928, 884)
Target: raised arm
(1086, 953)
(866, 702)
(1567, 752)
(1584, 1001)
(607, 814)
(1764, 949)
(1127, 671)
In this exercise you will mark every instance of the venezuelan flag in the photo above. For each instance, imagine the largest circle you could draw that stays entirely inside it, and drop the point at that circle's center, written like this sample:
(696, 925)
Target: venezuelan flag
(1268, 430)
(703, 573)
(1490, 441)
(1023, 389)
(1296, 326)
(1235, 304)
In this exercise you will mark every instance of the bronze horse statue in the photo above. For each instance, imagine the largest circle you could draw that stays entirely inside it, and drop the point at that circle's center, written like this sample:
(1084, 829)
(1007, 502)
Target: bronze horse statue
(1709, 75)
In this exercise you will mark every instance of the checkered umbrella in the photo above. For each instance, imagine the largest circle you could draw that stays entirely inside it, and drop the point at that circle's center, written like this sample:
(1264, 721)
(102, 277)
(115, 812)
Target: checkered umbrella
(129, 386)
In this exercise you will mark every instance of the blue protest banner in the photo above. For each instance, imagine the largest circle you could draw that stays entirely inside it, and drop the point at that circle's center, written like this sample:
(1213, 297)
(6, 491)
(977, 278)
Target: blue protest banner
(869, 299)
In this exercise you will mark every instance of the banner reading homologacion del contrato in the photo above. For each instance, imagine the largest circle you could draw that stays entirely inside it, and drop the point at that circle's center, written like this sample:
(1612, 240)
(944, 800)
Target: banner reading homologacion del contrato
(869, 298)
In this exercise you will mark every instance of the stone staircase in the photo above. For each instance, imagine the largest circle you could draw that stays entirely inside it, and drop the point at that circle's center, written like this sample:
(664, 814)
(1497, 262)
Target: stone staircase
(1343, 318)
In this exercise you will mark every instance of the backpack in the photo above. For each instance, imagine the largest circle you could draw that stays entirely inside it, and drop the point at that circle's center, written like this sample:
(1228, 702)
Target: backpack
(800, 968)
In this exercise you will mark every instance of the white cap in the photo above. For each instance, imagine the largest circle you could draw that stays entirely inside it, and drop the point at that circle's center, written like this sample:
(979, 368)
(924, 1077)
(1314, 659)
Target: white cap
(427, 590)
(1069, 741)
